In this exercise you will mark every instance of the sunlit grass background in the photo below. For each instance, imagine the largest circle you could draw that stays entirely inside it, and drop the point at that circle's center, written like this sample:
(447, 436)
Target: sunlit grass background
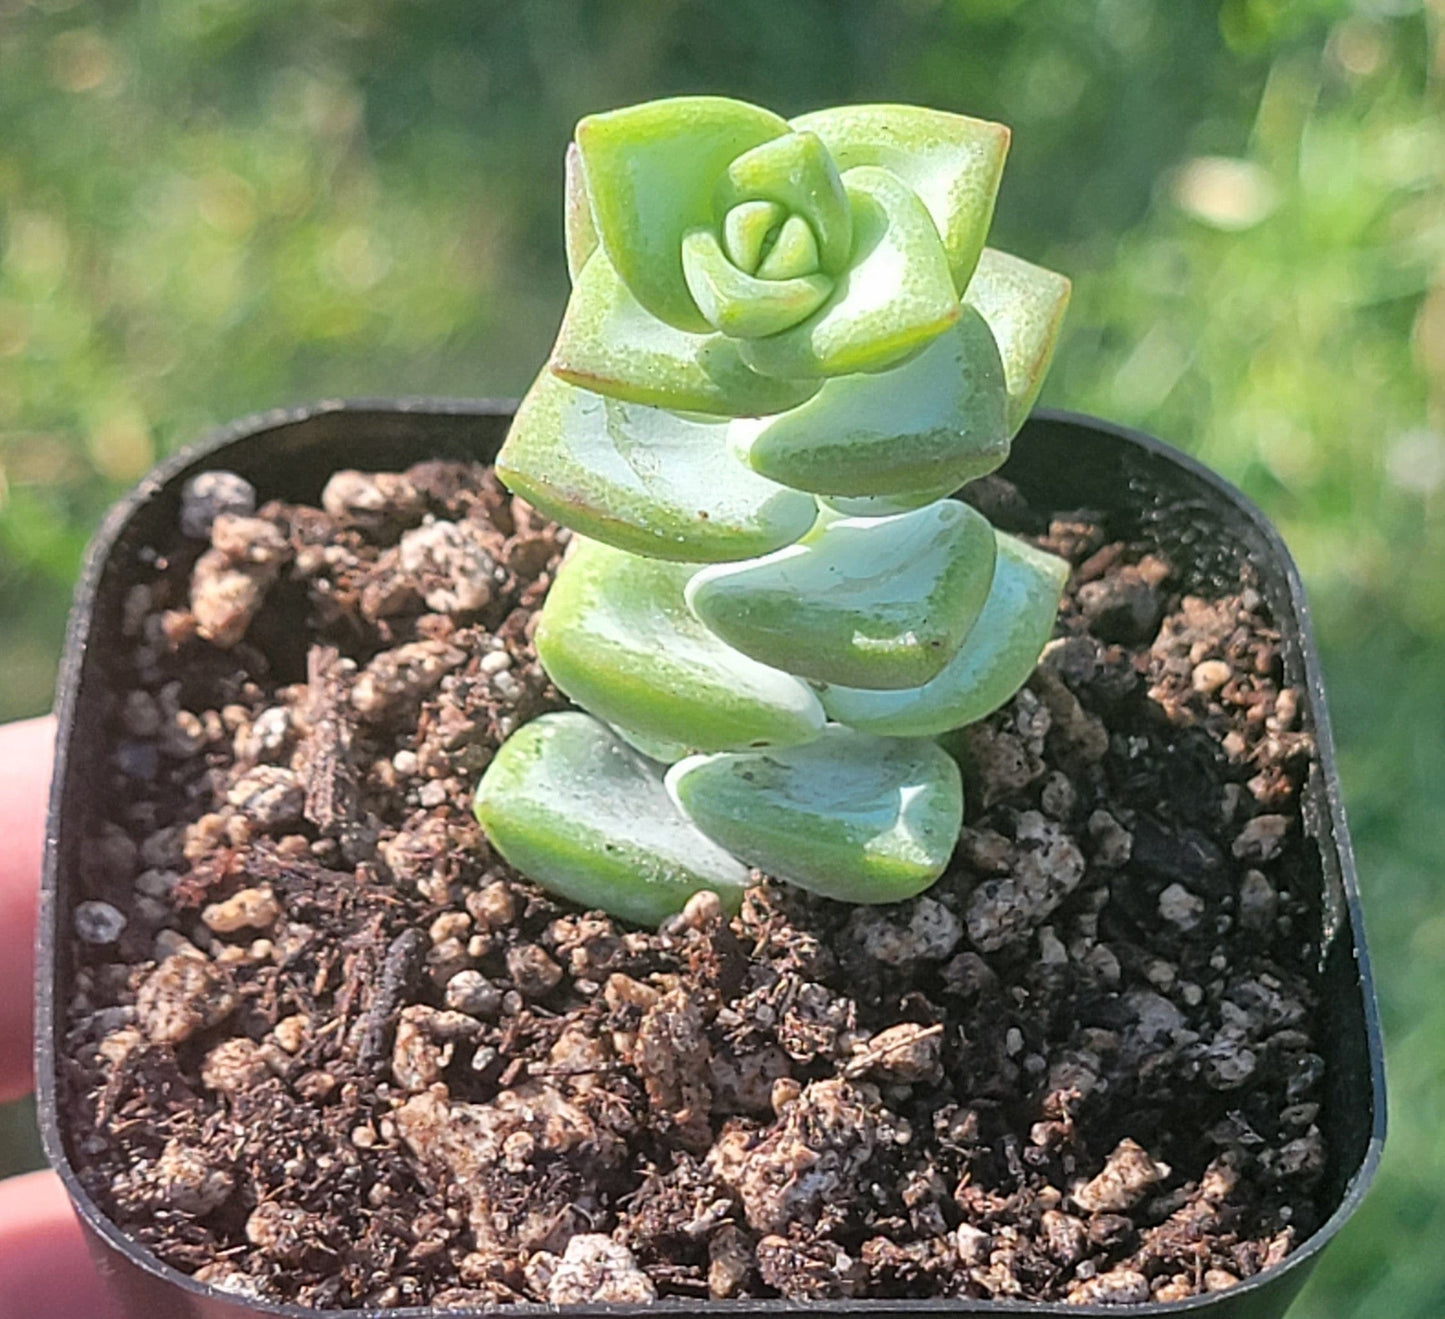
(209, 207)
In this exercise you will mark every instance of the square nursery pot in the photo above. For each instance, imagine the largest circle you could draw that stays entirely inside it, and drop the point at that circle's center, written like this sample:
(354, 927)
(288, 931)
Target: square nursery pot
(1203, 525)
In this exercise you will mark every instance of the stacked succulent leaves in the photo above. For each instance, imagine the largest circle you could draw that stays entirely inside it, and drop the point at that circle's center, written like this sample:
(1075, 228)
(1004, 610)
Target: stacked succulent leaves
(786, 346)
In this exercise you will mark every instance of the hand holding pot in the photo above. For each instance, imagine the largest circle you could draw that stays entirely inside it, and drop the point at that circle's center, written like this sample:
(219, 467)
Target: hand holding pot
(45, 1270)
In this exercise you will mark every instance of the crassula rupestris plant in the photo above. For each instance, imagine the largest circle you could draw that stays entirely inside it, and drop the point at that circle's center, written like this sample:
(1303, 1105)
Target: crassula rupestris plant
(785, 348)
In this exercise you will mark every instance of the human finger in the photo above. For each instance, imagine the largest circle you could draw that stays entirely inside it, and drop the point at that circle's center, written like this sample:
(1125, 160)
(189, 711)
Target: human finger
(25, 756)
(45, 1268)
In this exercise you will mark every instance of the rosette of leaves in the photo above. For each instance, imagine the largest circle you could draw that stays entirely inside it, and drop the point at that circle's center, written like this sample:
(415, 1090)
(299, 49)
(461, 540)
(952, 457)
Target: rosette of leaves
(787, 346)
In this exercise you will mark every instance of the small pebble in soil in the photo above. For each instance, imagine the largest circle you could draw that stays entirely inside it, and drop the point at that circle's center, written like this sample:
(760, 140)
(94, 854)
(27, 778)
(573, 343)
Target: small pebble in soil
(209, 494)
(471, 992)
(182, 996)
(494, 907)
(186, 1180)
(1121, 1286)
(250, 909)
(595, 1269)
(270, 796)
(930, 934)
(230, 581)
(1180, 907)
(234, 1066)
(533, 970)
(1128, 1175)
(371, 499)
(290, 1032)
(1258, 901)
(98, 923)
(454, 568)
(1262, 838)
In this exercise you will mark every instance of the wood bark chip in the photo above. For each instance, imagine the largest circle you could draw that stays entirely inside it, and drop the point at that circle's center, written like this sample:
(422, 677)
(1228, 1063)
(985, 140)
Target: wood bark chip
(332, 789)
(400, 970)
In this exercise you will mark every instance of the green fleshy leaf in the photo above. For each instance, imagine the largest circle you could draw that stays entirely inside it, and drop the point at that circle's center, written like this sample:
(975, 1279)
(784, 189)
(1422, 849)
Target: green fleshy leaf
(895, 296)
(993, 663)
(610, 345)
(879, 603)
(952, 162)
(579, 235)
(664, 753)
(932, 423)
(745, 230)
(589, 819)
(1024, 306)
(653, 172)
(796, 172)
(644, 480)
(617, 637)
(740, 305)
(795, 253)
(856, 818)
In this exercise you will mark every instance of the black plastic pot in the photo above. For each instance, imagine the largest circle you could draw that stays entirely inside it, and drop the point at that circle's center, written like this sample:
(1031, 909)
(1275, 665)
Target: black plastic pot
(1061, 460)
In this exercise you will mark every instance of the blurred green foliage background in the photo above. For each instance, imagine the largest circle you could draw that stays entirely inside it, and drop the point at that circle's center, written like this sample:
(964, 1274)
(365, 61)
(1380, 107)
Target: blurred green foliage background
(209, 207)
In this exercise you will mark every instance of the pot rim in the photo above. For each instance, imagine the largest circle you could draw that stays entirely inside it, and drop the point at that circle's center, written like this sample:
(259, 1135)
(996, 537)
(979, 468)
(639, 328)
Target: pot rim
(49, 926)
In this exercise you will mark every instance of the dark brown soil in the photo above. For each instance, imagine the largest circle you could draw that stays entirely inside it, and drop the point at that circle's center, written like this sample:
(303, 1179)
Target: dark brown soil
(325, 1047)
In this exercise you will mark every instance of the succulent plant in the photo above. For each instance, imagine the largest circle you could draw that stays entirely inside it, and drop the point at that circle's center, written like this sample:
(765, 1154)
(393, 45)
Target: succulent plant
(785, 348)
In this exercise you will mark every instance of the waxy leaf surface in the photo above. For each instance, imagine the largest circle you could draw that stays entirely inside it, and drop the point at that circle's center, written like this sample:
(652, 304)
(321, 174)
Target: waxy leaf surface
(881, 602)
(746, 229)
(992, 664)
(609, 344)
(571, 806)
(952, 162)
(1024, 306)
(795, 251)
(851, 817)
(741, 305)
(932, 423)
(796, 172)
(895, 296)
(644, 480)
(652, 173)
(664, 753)
(617, 636)
(579, 235)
